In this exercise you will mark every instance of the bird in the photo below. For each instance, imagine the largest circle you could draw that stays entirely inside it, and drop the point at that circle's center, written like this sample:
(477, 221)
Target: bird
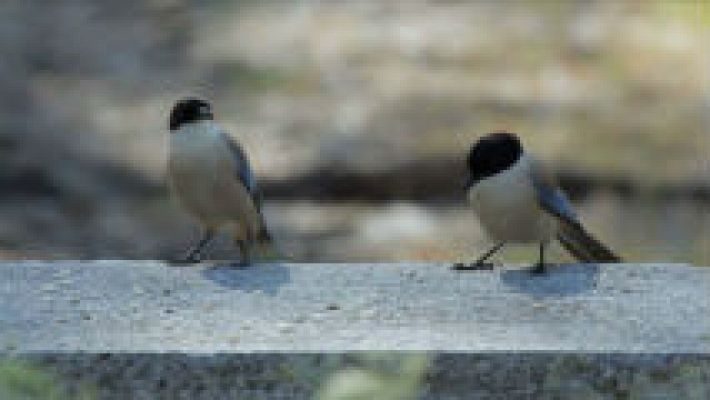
(210, 176)
(518, 201)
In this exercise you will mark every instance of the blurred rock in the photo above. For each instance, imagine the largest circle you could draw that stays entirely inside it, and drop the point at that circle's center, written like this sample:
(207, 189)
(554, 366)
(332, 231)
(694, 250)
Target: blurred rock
(609, 87)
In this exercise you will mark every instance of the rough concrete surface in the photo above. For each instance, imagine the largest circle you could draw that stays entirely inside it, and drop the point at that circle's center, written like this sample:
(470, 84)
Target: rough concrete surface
(137, 328)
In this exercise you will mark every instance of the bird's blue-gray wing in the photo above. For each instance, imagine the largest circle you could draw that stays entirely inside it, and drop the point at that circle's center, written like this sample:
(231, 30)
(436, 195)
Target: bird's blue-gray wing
(550, 197)
(243, 171)
(571, 234)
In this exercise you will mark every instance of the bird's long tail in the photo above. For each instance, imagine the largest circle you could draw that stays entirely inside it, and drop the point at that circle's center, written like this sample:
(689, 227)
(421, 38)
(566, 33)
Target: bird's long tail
(583, 246)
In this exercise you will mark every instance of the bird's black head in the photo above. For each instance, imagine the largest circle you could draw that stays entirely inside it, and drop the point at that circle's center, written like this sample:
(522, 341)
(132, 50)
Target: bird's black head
(189, 110)
(491, 154)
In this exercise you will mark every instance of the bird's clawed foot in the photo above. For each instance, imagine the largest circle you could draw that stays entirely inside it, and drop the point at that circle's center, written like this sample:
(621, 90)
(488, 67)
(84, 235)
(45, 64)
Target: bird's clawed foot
(191, 258)
(539, 268)
(241, 263)
(480, 264)
(476, 266)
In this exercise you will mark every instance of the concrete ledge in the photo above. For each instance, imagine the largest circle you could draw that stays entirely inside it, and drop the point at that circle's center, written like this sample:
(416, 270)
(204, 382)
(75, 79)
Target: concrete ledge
(144, 328)
(450, 375)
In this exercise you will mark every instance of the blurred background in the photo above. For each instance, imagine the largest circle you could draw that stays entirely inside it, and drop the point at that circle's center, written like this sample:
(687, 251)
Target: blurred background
(357, 117)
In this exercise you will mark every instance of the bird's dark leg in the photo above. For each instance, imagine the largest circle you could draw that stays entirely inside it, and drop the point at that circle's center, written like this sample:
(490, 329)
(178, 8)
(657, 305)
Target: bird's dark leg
(194, 255)
(244, 252)
(489, 253)
(539, 268)
(481, 262)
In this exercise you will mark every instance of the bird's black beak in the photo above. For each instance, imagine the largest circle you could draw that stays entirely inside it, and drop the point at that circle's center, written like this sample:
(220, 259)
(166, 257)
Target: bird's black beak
(205, 112)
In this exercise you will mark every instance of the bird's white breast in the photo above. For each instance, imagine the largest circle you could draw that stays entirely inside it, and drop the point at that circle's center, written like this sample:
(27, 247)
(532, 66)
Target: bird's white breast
(198, 157)
(195, 144)
(507, 205)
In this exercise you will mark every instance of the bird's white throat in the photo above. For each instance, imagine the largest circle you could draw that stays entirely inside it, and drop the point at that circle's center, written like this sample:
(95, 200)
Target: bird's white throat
(509, 186)
(196, 140)
(507, 206)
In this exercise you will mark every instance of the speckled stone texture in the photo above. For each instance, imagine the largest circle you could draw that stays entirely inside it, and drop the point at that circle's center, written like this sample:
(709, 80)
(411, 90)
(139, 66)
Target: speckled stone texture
(450, 375)
(143, 329)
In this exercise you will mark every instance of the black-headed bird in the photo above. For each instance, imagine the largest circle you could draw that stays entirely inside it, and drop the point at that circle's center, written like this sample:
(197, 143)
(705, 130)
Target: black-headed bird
(518, 201)
(209, 174)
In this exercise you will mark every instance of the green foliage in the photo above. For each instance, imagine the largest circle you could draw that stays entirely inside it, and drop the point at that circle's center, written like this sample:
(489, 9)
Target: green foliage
(20, 380)
(696, 13)
(380, 376)
(244, 76)
(690, 382)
